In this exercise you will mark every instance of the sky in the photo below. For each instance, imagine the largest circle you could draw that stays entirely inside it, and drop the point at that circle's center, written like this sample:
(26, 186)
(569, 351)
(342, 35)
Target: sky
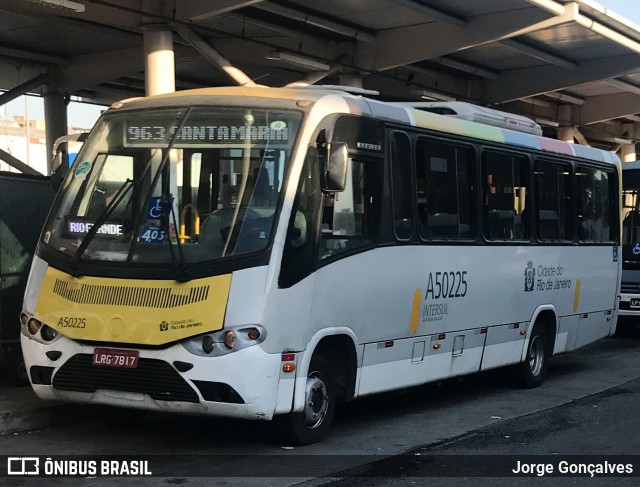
(627, 8)
(83, 115)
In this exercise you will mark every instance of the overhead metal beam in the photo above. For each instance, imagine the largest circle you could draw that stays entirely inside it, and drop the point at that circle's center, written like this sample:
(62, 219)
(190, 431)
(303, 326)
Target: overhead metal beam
(31, 56)
(564, 97)
(318, 22)
(91, 69)
(23, 88)
(199, 10)
(625, 85)
(18, 164)
(405, 45)
(213, 56)
(539, 54)
(468, 68)
(607, 107)
(526, 82)
(589, 23)
(433, 12)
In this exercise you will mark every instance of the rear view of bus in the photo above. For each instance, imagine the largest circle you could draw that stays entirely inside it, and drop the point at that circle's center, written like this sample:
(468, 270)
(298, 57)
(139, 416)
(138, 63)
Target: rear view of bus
(630, 283)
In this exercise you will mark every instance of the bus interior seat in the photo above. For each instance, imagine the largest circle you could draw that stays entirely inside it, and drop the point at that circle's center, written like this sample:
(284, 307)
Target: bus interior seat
(549, 224)
(211, 233)
(502, 224)
(444, 225)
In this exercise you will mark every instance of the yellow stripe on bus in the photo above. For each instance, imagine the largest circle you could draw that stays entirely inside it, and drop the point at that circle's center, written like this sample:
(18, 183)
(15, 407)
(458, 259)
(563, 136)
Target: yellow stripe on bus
(415, 311)
(576, 296)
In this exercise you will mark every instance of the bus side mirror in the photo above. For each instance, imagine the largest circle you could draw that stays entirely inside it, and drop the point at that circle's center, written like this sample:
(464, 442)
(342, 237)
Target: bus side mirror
(335, 168)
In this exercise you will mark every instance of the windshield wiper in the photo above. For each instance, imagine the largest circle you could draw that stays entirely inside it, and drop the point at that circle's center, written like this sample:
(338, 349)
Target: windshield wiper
(115, 201)
(154, 183)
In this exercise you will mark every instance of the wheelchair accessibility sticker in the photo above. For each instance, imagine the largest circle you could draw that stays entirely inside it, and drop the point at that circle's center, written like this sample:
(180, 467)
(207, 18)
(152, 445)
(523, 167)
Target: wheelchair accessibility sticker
(159, 207)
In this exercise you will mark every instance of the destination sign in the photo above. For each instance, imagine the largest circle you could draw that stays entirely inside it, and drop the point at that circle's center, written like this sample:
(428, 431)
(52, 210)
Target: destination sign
(108, 229)
(160, 135)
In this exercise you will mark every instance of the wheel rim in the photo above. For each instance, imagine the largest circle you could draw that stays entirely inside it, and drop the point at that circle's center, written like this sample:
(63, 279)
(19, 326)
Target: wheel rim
(536, 356)
(316, 401)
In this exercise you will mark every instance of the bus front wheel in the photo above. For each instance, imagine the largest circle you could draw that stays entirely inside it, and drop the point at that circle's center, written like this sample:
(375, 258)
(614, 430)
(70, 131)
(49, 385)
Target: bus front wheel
(313, 422)
(531, 372)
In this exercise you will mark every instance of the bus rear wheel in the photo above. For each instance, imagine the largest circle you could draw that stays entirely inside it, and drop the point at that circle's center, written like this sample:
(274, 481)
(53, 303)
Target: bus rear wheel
(531, 372)
(313, 422)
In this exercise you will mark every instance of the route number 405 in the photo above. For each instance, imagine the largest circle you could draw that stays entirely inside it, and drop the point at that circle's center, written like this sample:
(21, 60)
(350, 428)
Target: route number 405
(152, 234)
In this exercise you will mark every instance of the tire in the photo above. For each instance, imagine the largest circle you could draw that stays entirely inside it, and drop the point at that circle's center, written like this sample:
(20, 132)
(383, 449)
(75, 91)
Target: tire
(15, 366)
(313, 423)
(531, 372)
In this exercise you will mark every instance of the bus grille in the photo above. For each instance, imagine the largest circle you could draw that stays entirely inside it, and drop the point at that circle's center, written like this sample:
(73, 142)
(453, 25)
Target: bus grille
(153, 377)
(148, 297)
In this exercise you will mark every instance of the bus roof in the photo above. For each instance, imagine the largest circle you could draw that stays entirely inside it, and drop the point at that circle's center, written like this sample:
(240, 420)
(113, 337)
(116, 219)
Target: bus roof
(393, 112)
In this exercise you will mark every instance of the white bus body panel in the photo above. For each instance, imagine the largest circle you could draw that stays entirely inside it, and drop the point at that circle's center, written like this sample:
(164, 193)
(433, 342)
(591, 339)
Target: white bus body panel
(372, 293)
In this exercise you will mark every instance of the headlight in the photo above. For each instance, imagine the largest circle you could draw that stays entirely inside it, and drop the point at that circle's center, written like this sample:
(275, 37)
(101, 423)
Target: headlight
(47, 333)
(36, 330)
(225, 341)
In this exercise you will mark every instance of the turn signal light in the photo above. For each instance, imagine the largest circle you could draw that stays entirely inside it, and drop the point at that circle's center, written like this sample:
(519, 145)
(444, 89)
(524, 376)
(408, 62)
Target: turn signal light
(288, 367)
(254, 334)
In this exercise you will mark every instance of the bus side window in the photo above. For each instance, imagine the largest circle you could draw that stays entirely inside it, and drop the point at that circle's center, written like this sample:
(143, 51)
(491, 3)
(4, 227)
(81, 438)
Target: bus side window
(506, 184)
(596, 203)
(445, 191)
(554, 200)
(299, 247)
(350, 217)
(401, 185)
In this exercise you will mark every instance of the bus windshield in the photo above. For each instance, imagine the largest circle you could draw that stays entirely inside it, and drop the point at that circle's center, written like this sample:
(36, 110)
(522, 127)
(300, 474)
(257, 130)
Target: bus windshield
(631, 217)
(175, 185)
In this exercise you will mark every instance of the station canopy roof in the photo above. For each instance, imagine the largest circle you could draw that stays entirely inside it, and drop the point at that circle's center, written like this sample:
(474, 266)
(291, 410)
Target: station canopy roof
(563, 63)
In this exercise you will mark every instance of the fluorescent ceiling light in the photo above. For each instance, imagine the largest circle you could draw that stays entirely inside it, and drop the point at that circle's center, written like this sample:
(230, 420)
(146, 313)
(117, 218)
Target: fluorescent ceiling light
(66, 4)
(298, 60)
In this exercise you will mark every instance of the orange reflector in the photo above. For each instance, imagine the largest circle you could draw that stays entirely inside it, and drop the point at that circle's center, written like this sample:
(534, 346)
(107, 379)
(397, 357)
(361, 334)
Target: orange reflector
(388, 344)
(254, 334)
(516, 326)
(436, 346)
(483, 330)
(289, 367)
(442, 336)
(288, 357)
(303, 103)
(523, 332)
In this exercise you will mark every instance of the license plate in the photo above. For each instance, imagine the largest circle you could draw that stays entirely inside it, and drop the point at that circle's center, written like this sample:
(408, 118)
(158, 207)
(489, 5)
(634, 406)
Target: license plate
(109, 357)
(635, 303)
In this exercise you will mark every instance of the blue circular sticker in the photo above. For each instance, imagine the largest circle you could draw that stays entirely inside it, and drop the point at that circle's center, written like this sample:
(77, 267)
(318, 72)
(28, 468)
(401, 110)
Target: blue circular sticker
(83, 169)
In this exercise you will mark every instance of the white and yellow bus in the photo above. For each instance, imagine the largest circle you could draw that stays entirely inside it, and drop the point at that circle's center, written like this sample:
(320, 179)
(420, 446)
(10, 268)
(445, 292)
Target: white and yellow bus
(260, 252)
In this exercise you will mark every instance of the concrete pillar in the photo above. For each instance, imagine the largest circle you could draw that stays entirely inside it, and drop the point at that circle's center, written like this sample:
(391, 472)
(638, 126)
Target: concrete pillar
(566, 134)
(628, 152)
(55, 116)
(159, 60)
